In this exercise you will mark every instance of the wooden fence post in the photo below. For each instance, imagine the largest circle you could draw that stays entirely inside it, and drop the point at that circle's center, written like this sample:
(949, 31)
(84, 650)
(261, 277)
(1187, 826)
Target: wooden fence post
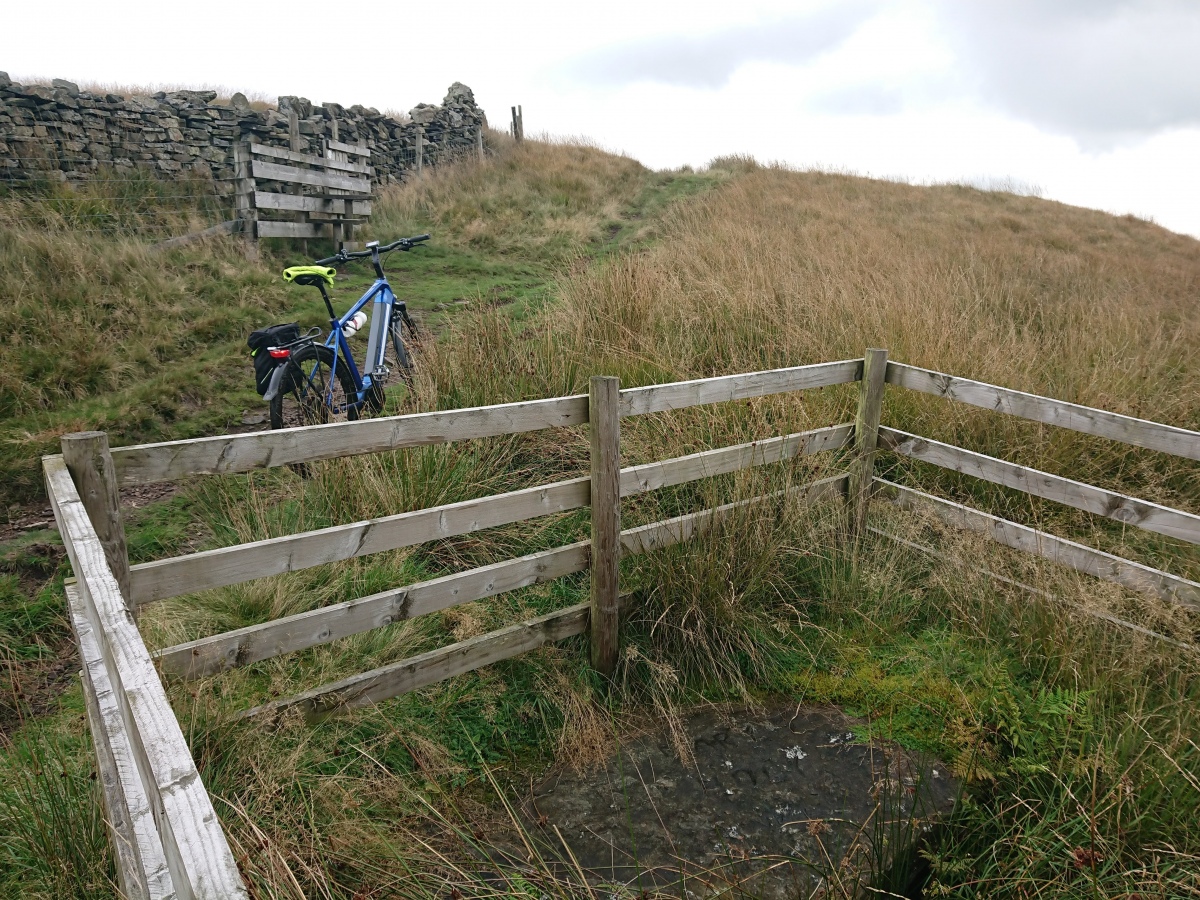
(90, 463)
(518, 125)
(479, 142)
(294, 130)
(420, 159)
(604, 423)
(866, 437)
(243, 187)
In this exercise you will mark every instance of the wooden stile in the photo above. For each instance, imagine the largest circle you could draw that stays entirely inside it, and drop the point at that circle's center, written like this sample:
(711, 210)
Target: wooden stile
(1124, 572)
(1126, 429)
(1142, 513)
(866, 433)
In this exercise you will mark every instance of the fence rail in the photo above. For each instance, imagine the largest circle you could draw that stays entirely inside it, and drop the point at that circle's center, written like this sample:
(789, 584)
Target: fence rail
(166, 834)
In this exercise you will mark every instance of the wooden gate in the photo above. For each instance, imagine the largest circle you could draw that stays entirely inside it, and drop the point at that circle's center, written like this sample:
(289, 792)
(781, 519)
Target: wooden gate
(285, 193)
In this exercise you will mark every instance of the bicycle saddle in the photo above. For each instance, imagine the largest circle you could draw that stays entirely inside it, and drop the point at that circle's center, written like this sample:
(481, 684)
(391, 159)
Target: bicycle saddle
(310, 275)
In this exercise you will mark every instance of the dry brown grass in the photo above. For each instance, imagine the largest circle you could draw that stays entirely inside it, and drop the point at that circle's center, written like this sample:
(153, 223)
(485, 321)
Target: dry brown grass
(258, 99)
(542, 200)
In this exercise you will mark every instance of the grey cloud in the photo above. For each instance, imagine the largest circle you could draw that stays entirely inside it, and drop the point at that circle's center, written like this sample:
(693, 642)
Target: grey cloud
(708, 61)
(1098, 70)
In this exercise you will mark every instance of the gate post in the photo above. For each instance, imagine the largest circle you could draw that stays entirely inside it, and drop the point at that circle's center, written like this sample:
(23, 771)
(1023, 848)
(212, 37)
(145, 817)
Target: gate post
(604, 423)
(90, 463)
(866, 437)
(243, 186)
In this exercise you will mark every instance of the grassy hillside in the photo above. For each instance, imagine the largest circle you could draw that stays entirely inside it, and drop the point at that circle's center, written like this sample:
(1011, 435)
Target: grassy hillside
(1077, 740)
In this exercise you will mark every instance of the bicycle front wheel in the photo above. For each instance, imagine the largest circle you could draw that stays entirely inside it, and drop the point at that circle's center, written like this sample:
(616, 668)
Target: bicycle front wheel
(311, 394)
(404, 364)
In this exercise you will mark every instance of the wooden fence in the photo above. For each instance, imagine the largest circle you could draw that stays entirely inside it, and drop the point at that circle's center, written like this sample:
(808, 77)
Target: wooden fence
(167, 838)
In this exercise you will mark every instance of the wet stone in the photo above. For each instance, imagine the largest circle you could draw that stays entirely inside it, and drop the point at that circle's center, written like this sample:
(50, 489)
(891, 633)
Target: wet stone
(772, 801)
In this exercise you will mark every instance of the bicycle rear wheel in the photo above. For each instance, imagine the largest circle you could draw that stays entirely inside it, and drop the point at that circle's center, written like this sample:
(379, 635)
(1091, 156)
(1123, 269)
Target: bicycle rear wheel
(307, 398)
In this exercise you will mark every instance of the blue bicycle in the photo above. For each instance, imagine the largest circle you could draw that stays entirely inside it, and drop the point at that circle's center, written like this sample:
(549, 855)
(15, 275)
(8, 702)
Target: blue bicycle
(312, 383)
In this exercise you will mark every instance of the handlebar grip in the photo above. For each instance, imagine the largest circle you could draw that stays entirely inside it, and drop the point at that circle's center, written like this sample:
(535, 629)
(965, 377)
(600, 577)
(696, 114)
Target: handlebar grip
(330, 261)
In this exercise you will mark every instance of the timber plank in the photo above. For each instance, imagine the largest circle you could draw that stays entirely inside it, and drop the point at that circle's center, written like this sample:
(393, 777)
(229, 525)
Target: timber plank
(141, 861)
(1129, 574)
(1149, 516)
(708, 463)
(244, 562)
(231, 453)
(293, 175)
(369, 688)
(267, 228)
(1038, 592)
(1085, 419)
(211, 655)
(306, 159)
(208, 656)
(196, 850)
(291, 553)
(355, 149)
(682, 394)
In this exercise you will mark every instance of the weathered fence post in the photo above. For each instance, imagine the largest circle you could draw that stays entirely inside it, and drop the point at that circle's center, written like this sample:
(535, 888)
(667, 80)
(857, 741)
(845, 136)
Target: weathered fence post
(518, 125)
(420, 151)
(479, 142)
(604, 423)
(243, 187)
(90, 463)
(294, 130)
(866, 436)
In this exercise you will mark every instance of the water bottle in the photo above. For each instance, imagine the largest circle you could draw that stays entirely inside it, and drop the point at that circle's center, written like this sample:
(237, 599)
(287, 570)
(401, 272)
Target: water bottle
(352, 327)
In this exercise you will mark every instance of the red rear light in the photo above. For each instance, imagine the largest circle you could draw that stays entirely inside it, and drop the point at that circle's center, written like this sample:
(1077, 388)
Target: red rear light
(279, 352)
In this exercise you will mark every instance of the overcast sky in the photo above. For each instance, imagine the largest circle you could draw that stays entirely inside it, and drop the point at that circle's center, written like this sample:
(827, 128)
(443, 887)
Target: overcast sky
(1092, 102)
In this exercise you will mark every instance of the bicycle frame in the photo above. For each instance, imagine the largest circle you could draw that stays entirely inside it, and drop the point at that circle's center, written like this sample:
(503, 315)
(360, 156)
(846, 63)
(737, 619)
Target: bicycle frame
(368, 382)
(381, 322)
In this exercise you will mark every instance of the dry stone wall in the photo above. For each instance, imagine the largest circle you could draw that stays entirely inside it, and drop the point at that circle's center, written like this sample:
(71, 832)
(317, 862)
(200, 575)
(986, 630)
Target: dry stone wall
(59, 131)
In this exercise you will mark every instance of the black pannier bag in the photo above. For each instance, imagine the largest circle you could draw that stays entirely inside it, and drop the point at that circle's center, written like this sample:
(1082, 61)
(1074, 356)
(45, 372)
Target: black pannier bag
(259, 341)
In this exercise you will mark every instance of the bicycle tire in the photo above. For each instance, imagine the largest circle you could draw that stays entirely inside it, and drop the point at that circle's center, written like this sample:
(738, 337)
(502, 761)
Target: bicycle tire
(303, 400)
(404, 364)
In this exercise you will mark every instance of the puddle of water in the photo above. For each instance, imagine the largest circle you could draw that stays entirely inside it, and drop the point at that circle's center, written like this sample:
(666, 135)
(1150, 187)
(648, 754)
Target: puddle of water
(773, 801)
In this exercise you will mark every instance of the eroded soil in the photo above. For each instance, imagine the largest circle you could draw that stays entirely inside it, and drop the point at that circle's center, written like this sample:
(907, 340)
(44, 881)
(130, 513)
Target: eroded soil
(775, 803)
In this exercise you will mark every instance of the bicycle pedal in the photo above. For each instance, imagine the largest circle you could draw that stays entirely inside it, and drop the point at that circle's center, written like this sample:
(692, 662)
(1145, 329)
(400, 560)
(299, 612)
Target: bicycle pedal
(381, 372)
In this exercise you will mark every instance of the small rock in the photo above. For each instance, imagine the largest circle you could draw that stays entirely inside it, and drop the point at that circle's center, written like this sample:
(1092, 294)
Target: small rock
(69, 86)
(239, 103)
(253, 418)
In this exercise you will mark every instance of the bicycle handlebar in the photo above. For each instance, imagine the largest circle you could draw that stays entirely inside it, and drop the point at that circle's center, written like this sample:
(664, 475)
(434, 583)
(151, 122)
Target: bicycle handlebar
(402, 244)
